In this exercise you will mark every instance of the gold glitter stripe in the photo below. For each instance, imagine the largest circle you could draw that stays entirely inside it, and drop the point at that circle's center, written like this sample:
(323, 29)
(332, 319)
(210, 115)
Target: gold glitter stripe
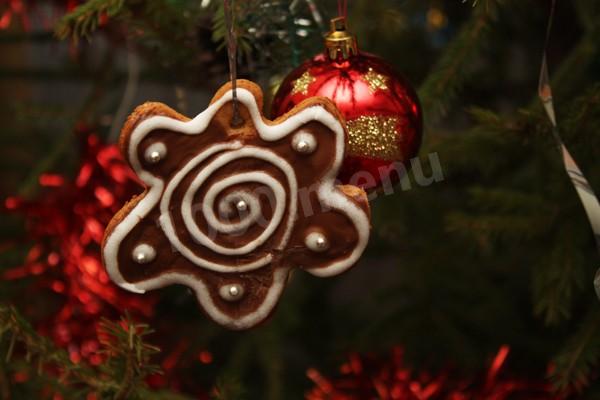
(375, 137)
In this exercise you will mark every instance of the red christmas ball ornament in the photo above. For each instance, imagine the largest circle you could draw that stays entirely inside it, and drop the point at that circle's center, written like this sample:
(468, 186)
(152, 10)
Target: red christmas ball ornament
(382, 111)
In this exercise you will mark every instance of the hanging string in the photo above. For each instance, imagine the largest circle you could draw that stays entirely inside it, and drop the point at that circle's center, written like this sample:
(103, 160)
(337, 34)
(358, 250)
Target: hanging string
(584, 190)
(343, 8)
(236, 119)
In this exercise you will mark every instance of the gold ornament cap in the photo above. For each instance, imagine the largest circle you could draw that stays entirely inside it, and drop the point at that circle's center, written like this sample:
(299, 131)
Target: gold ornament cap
(339, 42)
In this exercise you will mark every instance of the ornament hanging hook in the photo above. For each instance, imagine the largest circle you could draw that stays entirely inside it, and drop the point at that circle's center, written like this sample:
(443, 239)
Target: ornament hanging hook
(236, 119)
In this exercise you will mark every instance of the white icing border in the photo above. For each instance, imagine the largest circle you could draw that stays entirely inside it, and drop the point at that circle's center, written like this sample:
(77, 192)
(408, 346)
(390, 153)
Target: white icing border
(328, 194)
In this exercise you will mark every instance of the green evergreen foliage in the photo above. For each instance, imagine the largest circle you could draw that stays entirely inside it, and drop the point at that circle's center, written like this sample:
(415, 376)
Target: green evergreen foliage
(84, 20)
(120, 376)
(452, 69)
(499, 252)
(576, 360)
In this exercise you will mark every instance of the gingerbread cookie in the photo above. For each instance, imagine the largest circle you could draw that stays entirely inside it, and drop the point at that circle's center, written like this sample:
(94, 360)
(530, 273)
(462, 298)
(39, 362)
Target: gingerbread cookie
(229, 211)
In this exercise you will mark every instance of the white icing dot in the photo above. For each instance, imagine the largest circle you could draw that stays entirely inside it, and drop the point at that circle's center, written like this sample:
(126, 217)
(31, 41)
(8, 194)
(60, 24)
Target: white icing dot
(232, 292)
(316, 242)
(143, 253)
(241, 205)
(155, 152)
(304, 142)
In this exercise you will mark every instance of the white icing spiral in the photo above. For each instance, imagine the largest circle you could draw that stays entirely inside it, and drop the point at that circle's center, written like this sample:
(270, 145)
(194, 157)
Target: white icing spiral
(250, 213)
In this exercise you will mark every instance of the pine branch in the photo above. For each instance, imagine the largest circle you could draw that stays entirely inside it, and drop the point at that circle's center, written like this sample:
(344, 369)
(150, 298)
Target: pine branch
(560, 275)
(127, 352)
(171, 34)
(16, 330)
(583, 113)
(219, 35)
(472, 154)
(250, 15)
(587, 13)
(121, 376)
(522, 124)
(512, 202)
(84, 20)
(452, 70)
(486, 228)
(502, 214)
(572, 75)
(476, 152)
(574, 363)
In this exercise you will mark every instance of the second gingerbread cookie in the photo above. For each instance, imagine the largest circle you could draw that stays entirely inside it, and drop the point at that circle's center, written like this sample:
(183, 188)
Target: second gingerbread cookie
(229, 211)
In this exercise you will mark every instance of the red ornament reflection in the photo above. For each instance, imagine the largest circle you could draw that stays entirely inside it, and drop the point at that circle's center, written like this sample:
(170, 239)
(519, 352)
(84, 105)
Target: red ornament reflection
(365, 89)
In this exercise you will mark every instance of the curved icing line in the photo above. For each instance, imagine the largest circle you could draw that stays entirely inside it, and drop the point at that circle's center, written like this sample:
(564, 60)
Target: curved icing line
(211, 218)
(194, 229)
(255, 176)
(227, 207)
(166, 221)
(327, 193)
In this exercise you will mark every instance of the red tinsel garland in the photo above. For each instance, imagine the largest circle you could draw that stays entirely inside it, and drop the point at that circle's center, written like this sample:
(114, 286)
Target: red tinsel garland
(21, 12)
(370, 378)
(66, 225)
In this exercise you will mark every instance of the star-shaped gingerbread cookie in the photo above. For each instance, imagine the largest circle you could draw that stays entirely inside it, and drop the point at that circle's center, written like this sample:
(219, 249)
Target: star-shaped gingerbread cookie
(229, 211)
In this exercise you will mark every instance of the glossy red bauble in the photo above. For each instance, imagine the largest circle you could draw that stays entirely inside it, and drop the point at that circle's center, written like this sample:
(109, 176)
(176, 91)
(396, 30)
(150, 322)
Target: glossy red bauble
(382, 112)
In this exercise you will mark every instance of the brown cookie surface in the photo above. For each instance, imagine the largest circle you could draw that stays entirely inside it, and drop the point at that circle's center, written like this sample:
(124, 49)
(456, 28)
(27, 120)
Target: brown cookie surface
(230, 210)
